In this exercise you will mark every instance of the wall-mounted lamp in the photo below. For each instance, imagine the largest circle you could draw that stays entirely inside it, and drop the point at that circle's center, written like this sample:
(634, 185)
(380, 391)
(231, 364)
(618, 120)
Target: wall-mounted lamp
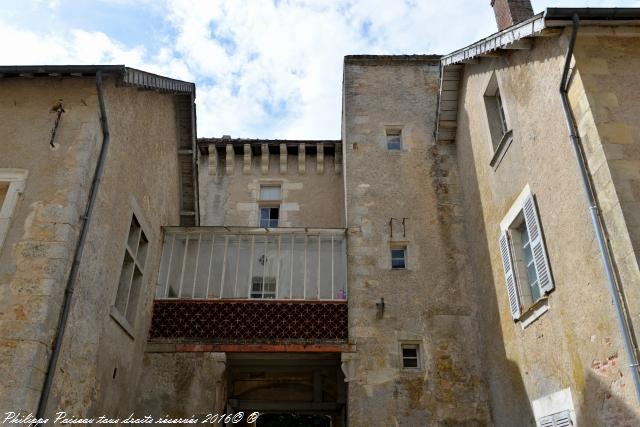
(380, 309)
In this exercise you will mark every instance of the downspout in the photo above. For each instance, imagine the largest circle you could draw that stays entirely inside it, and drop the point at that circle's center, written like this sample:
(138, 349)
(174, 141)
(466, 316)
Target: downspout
(73, 274)
(596, 218)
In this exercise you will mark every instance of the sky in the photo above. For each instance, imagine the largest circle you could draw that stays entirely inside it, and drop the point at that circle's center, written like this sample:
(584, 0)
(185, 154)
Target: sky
(262, 68)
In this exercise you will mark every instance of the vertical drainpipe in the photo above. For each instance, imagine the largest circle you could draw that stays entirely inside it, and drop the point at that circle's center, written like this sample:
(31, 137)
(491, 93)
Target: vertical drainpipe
(194, 158)
(624, 323)
(73, 273)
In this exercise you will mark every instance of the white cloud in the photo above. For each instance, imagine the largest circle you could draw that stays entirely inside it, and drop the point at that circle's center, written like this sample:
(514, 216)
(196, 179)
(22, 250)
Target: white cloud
(263, 68)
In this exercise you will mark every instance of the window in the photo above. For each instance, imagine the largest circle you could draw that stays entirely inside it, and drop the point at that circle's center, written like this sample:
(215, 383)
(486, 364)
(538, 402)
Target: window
(270, 192)
(410, 356)
(399, 258)
(554, 410)
(496, 116)
(394, 139)
(270, 197)
(130, 284)
(263, 288)
(12, 183)
(269, 217)
(560, 419)
(524, 257)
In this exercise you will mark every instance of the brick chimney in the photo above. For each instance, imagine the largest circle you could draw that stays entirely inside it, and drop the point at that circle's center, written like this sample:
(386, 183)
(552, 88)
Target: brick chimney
(510, 12)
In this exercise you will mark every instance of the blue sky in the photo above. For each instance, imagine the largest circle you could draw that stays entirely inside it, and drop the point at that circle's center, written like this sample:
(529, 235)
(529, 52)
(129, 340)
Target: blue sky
(263, 68)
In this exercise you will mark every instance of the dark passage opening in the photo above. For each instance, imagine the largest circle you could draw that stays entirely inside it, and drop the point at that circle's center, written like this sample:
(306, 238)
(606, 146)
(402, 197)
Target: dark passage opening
(293, 420)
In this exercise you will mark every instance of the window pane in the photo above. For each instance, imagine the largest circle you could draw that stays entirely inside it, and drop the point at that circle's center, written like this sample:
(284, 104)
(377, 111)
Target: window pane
(125, 280)
(398, 258)
(394, 140)
(270, 192)
(410, 363)
(284, 281)
(410, 352)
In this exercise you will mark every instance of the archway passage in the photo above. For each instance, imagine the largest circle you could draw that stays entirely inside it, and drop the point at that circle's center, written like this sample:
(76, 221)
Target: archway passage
(293, 420)
(288, 389)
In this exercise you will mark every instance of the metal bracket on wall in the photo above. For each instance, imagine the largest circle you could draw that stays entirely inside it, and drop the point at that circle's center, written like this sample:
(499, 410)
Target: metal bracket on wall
(57, 108)
(404, 228)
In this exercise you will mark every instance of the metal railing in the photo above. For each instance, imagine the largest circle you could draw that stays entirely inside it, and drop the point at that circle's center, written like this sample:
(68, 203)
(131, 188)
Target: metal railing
(258, 263)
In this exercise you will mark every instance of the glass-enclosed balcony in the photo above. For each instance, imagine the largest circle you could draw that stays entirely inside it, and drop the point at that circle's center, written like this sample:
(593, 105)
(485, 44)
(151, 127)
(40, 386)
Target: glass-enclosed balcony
(262, 263)
(252, 285)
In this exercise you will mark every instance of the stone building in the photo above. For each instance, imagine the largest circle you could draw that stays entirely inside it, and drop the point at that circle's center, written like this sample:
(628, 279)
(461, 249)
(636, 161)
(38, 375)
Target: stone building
(466, 254)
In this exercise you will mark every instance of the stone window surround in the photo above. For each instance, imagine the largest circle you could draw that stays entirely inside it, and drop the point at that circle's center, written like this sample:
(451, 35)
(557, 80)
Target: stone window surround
(399, 244)
(16, 179)
(395, 127)
(270, 203)
(412, 344)
(115, 314)
(498, 124)
(537, 308)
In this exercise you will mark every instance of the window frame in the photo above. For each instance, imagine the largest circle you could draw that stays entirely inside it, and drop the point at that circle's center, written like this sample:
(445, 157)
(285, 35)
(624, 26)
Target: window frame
(498, 123)
(522, 306)
(269, 203)
(133, 266)
(399, 247)
(394, 131)
(410, 345)
(17, 180)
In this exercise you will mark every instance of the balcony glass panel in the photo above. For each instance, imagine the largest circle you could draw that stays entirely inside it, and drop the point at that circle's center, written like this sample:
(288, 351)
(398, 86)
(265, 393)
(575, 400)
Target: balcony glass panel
(241, 263)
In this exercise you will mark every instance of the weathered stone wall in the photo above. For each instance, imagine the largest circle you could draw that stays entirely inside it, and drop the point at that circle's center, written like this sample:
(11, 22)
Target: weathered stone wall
(576, 343)
(182, 385)
(35, 257)
(312, 198)
(605, 99)
(99, 363)
(429, 303)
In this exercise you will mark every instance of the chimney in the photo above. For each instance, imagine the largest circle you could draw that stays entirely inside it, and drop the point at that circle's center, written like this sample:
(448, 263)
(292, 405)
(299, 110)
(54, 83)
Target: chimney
(511, 12)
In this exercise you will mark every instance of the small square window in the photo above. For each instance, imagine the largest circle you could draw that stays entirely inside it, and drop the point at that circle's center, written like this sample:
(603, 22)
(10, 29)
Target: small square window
(411, 356)
(269, 216)
(399, 258)
(270, 192)
(394, 139)
(263, 287)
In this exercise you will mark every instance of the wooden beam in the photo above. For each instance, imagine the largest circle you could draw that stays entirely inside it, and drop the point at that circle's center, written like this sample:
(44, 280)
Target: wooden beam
(285, 405)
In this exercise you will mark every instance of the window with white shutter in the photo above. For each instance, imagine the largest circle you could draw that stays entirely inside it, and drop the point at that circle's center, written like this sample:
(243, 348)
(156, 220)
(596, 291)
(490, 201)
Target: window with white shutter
(561, 419)
(527, 273)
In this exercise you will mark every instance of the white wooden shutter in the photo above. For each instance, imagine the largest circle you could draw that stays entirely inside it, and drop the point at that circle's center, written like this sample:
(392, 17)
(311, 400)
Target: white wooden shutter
(561, 419)
(547, 421)
(509, 276)
(540, 259)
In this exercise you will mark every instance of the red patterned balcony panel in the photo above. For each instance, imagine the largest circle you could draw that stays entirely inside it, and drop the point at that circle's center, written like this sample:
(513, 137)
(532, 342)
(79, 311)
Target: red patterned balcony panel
(250, 321)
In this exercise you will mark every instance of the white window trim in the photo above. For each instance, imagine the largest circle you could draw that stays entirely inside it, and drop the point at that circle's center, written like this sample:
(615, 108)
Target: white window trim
(537, 308)
(554, 403)
(16, 179)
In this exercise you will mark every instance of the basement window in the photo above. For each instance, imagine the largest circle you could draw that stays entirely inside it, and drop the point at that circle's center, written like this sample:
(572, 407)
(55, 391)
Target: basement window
(411, 356)
(131, 277)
